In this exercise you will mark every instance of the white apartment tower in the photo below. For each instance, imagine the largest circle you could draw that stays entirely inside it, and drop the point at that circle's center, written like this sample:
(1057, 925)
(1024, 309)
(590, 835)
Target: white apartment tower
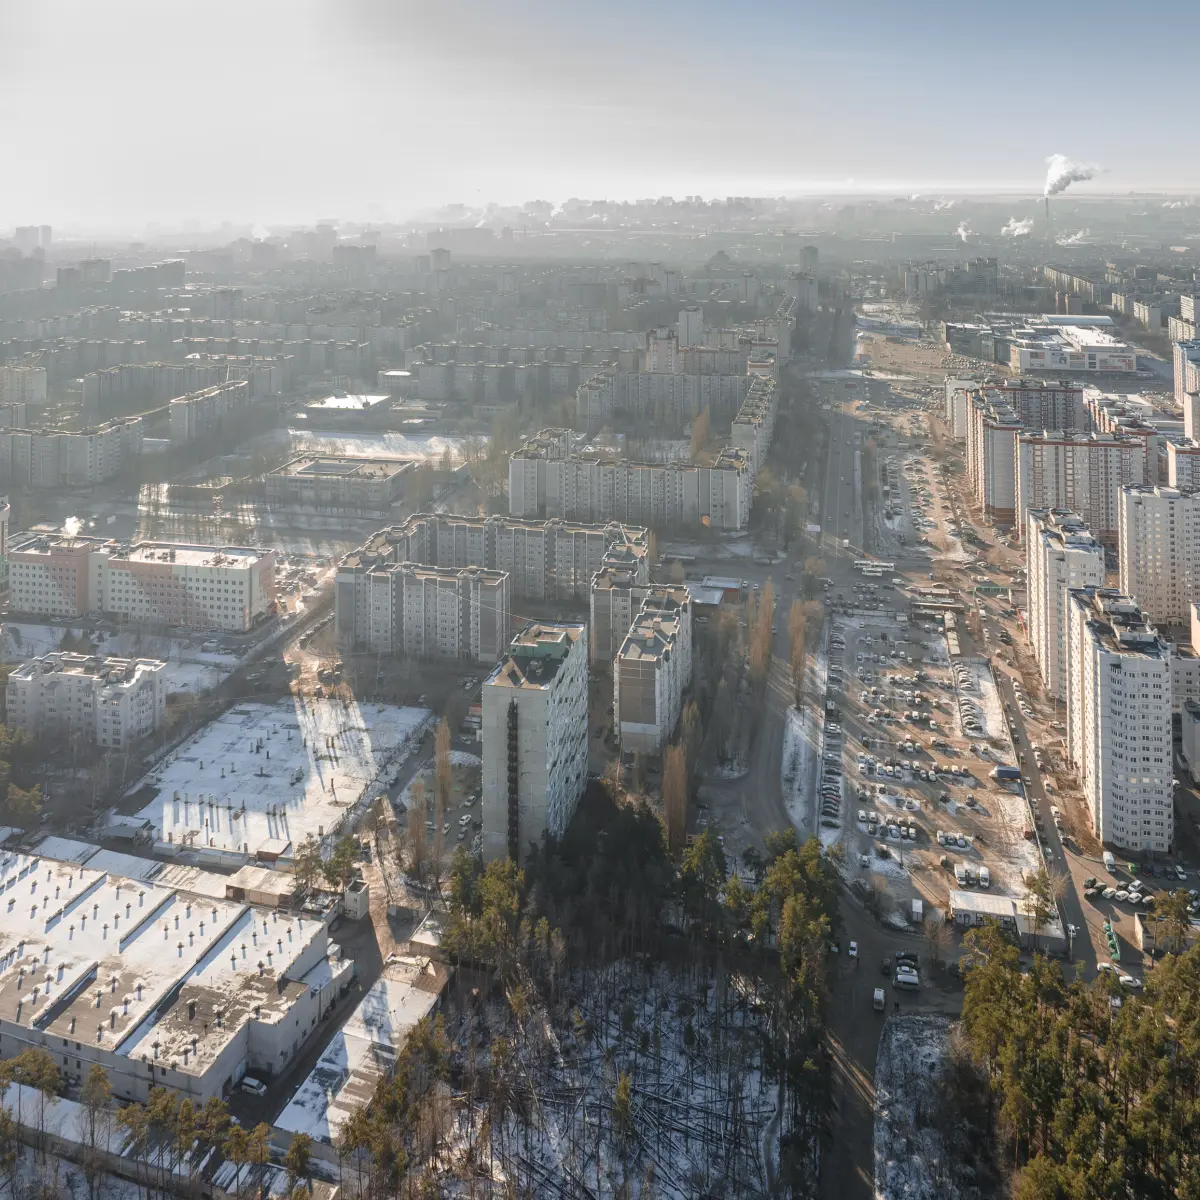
(1061, 555)
(1159, 548)
(1119, 719)
(652, 669)
(535, 738)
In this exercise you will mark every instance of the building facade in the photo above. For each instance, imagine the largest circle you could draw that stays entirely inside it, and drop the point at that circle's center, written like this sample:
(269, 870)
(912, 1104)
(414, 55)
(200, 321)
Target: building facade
(230, 588)
(108, 702)
(45, 458)
(1119, 720)
(651, 671)
(535, 738)
(546, 478)
(1159, 550)
(1081, 473)
(433, 612)
(543, 560)
(1061, 555)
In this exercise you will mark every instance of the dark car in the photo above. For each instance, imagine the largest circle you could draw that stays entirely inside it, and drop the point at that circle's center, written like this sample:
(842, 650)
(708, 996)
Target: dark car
(885, 967)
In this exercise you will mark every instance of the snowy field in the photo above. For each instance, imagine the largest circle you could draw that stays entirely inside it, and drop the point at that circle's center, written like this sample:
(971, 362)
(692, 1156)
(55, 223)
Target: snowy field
(189, 669)
(799, 743)
(908, 1151)
(262, 777)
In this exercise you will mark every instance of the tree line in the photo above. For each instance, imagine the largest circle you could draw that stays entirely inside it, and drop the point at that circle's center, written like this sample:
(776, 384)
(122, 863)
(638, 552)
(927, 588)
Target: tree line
(1093, 1090)
(167, 1139)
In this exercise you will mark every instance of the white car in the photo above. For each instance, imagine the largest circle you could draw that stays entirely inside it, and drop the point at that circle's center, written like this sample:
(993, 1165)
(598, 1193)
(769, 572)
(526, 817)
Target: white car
(853, 951)
(1128, 981)
(254, 1086)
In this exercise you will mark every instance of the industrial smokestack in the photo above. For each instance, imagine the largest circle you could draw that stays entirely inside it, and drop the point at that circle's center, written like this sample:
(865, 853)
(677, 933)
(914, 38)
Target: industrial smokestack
(1047, 210)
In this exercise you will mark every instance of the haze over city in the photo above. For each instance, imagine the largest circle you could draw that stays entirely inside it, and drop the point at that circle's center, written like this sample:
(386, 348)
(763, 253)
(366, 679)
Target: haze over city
(375, 110)
(598, 602)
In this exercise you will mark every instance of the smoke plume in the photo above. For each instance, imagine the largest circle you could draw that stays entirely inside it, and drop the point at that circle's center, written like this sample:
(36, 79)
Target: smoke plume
(1015, 228)
(1062, 171)
(964, 231)
(943, 204)
(1075, 238)
(72, 527)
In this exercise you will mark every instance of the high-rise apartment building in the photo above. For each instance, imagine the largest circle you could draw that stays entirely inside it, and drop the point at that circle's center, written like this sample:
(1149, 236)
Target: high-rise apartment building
(535, 738)
(1119, 719)
(542, 560)
(1060, 555)
(651, 670)
(433, 612)
(1078, 472)
(547, 477)
(1159, 550)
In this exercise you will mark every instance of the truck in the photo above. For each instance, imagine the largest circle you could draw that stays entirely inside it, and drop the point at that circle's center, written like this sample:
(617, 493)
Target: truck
(960, 874)
(1004, 774)
(845, 543)
(1110, 863)
(918, 911)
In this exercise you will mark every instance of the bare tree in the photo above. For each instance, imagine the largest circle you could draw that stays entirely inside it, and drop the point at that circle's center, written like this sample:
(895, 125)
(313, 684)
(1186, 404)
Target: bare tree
(937, 936)
(699, 435)
(443, 784)
(418, 846)
(674, 788)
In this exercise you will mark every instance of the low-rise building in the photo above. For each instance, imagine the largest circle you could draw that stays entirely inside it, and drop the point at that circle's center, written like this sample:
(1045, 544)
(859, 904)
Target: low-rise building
(535, 738)
(108, 702)
(159, 986)
(324, 483)
(152, 583)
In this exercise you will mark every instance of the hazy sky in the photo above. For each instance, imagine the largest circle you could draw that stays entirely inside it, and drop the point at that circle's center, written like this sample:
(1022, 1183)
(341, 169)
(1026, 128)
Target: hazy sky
(118, 112)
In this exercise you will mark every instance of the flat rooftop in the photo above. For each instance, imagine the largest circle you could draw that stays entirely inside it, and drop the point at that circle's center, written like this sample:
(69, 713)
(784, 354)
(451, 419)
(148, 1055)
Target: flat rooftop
(95, 957)
(262, 777)
(363, 1050)
(535, 655)
(348, 403)
(193, 555)
(343, 467)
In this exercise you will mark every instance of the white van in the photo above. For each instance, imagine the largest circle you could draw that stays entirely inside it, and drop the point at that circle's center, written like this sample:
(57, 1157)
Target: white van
(985, 877)
(1110, 863)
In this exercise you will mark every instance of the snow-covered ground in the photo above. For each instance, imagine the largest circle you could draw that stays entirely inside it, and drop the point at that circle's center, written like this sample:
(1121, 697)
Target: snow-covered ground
(265, 776)
(909, 1153)
(799, 743)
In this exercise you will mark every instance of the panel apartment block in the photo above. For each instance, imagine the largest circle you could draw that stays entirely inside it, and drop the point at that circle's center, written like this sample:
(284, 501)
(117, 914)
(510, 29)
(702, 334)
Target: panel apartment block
(1082, 473)
(1159, 550)
(1061, 554)
(535, 738)
(230, 588)
(107, 702)
(1119, 720)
